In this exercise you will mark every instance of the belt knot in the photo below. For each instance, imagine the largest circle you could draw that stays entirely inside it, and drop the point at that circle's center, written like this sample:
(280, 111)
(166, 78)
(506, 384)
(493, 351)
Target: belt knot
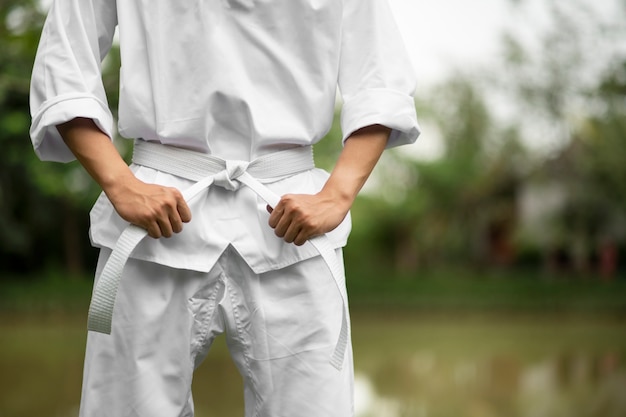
(227, 178)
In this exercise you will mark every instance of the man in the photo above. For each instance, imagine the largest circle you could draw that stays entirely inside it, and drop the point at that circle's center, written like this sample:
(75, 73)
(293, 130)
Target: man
(224, 99)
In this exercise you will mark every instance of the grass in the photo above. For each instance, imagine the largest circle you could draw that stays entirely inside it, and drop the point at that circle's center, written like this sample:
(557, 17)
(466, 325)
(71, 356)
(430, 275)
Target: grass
(51, 291)
(432, 291)
(456, 289)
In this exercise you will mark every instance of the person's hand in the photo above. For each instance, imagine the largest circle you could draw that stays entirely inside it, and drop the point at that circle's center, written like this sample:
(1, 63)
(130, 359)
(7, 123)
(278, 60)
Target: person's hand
(299, 217)
(158, 209)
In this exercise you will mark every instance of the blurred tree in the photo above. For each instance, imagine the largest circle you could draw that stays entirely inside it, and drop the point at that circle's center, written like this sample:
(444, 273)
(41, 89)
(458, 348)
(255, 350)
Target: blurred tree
(464, 207)
(597, 204)
(327, 150)
(40, 203)
(605, 135)
(571, 102)
(459, 208)
(20, 24)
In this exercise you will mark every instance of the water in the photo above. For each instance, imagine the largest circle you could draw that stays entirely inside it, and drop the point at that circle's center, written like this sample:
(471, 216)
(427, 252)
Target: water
(490, 365)
(407, 365)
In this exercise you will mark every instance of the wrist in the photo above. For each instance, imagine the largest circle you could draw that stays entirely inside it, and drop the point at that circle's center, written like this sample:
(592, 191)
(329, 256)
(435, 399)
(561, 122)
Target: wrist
(115, 185)
(341, 197)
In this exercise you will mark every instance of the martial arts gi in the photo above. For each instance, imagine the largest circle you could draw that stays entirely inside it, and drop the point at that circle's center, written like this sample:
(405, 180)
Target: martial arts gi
(238, 80)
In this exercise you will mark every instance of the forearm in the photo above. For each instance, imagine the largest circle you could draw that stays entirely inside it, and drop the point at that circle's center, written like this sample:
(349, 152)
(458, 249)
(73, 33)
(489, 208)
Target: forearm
(95, 151)
(160, 210)
(361, 152)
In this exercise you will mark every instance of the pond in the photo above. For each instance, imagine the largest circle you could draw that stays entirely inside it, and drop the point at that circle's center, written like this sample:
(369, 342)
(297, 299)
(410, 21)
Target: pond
(408, 364)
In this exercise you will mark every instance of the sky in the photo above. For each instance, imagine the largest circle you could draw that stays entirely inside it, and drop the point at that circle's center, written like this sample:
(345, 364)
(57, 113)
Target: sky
(443, 34)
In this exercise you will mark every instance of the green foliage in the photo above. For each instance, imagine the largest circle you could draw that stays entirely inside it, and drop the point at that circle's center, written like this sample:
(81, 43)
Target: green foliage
(567, 129)
(19, 25)
(40, 203)
(327, 150)
(460, 208)
(575, 100)
(443, 209)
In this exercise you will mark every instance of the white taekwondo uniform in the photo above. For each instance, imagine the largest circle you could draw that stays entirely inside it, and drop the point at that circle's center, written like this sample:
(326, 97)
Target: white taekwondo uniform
(238, 80)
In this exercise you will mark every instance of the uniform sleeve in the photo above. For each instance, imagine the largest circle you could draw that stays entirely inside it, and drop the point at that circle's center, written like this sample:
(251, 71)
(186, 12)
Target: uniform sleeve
(376, 79)
(66, 81)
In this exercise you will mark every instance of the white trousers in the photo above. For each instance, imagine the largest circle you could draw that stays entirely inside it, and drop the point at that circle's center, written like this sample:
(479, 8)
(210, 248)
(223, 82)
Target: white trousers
(281, 328)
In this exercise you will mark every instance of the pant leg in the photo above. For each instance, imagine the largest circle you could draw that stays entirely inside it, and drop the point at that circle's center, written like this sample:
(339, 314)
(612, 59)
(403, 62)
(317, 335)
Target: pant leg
(282, 327)
(163, 320)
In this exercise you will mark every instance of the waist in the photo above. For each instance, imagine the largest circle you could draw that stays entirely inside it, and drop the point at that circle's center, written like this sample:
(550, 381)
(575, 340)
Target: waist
(194, 165)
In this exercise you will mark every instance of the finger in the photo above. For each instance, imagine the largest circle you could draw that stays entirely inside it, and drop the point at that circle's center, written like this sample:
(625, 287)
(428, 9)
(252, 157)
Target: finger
(301, 238)
(154, 231)
(292, 232)
(276, 216)
(174, 218)
(184, 212)
(269, 209)
(165, 227)
(283, 224)
(176, 222)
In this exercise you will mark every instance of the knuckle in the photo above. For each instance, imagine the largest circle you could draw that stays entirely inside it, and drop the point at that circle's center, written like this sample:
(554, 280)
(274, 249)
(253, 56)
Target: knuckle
(146, 215)
(308, 222)
(293, 207)
(165, 204)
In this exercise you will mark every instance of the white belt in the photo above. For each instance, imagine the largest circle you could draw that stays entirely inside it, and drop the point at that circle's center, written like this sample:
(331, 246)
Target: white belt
(230, 174)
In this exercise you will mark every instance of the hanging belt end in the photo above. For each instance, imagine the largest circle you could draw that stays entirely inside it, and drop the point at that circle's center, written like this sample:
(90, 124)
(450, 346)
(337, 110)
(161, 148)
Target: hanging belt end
(337, 360)
(98, 324)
